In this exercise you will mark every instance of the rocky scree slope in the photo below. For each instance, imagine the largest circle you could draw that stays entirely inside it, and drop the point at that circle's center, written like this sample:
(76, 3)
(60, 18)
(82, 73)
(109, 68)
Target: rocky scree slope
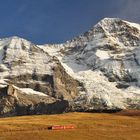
(96, 71)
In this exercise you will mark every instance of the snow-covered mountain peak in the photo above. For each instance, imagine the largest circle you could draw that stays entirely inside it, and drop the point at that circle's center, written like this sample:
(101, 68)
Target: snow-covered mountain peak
(115, 30)
(109, 23)
(16, 43)
(106, 60)
(98, 70)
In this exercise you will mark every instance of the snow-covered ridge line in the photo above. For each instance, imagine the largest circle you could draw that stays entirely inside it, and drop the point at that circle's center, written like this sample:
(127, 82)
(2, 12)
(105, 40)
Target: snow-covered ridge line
(103, 22)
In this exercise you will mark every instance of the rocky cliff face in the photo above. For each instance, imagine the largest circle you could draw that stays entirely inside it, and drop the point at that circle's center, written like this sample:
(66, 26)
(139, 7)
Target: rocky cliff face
(97, 71)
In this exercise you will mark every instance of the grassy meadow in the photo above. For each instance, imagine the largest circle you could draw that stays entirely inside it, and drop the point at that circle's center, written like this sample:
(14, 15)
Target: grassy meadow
(88, 126)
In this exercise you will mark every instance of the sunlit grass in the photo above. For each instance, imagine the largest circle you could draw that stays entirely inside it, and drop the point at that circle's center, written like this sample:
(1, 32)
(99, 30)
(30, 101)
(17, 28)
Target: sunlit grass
(89, 126)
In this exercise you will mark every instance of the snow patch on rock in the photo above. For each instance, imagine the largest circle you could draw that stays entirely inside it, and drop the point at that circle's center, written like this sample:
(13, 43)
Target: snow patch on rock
(102, 54)
(30, 91)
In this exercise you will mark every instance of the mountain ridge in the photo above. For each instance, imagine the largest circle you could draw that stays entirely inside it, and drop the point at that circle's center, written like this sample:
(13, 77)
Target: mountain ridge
(96, 71)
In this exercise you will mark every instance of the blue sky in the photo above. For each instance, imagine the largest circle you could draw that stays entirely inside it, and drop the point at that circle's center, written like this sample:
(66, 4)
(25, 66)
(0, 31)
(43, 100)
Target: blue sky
(55, 21)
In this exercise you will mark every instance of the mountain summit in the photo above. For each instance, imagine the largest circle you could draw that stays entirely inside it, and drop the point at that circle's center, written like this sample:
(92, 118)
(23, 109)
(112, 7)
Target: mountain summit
(96, 71)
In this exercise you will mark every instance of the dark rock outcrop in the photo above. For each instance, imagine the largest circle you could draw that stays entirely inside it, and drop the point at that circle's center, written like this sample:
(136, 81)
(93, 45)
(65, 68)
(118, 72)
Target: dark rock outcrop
(13, 102)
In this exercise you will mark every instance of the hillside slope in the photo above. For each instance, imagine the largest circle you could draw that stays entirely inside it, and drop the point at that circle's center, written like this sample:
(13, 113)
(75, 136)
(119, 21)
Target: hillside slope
(87, 126)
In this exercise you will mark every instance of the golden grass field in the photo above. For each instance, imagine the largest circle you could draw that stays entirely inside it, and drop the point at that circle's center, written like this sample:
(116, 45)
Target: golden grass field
(89, 126)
